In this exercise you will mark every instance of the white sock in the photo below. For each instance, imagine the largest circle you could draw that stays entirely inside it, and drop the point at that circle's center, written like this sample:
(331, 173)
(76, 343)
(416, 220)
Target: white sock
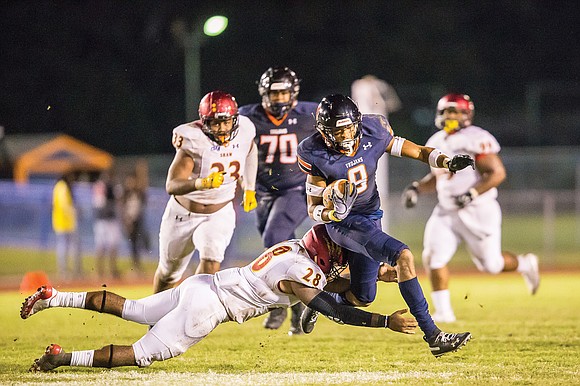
(523, 263)
(442, 301)
(69, 299)
(82, 358)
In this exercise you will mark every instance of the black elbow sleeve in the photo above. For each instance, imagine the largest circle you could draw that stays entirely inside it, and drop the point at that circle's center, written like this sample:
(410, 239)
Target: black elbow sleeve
(343, 314)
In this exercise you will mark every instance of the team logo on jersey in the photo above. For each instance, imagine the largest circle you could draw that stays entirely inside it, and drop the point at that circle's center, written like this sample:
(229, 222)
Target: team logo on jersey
(367, 145)
(229, 146)
(279, 131)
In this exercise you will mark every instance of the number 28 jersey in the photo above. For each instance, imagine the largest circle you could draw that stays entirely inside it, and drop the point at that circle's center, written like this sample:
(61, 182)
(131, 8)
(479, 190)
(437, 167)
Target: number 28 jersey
(254, 289)
(209, 157)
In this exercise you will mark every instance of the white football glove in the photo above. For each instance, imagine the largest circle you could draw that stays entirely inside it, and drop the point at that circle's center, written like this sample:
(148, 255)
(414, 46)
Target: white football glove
(343, 205)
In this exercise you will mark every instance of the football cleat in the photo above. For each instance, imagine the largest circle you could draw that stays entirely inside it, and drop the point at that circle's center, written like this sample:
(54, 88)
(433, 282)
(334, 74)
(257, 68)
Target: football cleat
(532, 274)
(308, 320)
(37, 301)
(275, 319)
(51, 359)
(442, 342)
(295, 325)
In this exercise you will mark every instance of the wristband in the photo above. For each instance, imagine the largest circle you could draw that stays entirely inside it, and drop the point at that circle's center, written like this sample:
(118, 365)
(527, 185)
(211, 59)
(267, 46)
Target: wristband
(317, 213)
(435, 153)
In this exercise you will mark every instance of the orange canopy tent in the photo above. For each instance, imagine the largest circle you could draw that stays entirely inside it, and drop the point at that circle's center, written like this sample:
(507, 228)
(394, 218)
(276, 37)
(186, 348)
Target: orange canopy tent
(60, 155)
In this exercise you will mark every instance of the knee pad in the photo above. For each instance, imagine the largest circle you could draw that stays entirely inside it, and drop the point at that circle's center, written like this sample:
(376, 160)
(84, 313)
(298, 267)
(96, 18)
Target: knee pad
(149, 349)
(364, 293)
(493, 266)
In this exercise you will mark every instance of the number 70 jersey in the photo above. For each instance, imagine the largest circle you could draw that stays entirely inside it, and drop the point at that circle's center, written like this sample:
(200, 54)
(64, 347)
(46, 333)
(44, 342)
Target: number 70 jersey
(277, 143)
(209, 157)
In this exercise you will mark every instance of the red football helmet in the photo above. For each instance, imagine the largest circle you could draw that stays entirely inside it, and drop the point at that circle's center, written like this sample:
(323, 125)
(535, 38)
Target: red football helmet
(329, 256)
(219, 106)
(464, 107)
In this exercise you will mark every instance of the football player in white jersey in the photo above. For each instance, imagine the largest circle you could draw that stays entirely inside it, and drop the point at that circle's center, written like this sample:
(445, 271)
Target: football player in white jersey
(467, 208)
(288, 272)
(212, 155)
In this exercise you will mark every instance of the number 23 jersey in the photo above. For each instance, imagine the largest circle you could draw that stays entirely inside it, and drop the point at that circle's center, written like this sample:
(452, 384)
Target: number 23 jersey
(254, 289)
(210, 157)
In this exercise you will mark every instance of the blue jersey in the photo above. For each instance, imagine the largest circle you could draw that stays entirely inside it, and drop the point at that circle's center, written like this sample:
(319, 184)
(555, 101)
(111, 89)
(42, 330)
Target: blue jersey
(277, 145)
(317, 159)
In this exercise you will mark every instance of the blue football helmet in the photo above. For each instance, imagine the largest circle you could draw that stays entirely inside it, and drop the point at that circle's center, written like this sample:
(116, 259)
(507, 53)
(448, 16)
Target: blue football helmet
(335, 114)
(278, 79)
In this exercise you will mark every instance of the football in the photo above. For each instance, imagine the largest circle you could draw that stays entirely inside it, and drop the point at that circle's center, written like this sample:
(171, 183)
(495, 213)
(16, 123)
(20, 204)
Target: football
(339, 187)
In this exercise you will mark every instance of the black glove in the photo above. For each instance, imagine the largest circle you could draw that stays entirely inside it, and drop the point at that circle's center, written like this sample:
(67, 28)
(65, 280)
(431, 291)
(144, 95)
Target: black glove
(343, 205)
(462, 200)
(460, 162)
(410, 195)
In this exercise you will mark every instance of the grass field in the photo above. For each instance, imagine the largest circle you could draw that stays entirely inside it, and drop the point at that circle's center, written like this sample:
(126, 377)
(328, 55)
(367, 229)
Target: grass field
(517, 339)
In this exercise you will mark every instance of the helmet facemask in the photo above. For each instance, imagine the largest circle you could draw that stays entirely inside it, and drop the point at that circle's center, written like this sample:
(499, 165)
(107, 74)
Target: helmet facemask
(220, 136)
(346, 146)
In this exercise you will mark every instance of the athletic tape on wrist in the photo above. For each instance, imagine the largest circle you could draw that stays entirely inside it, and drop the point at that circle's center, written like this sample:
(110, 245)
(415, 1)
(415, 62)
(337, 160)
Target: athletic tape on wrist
(435, 153)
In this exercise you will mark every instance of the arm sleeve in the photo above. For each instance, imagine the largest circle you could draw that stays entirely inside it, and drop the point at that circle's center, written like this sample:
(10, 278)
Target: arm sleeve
(249, 180)
(342, 314)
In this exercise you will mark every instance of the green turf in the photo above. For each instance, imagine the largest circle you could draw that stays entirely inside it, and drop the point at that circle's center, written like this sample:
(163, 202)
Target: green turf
(521, 234)
(518, 339)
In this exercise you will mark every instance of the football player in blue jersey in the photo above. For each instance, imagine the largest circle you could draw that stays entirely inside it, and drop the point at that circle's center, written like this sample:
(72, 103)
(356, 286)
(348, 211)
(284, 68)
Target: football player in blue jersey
(348, 145)
(281, 123)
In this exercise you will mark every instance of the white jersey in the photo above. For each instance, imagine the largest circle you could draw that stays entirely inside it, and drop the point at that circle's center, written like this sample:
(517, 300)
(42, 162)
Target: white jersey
(210, 157)
(254, 289)
(472, 140)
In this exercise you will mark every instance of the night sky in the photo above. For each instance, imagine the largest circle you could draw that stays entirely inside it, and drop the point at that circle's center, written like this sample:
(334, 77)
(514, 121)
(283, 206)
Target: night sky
(111, 73)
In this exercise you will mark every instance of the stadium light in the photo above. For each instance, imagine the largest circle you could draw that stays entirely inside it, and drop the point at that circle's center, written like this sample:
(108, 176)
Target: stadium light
(215, 25)
(192, 41)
